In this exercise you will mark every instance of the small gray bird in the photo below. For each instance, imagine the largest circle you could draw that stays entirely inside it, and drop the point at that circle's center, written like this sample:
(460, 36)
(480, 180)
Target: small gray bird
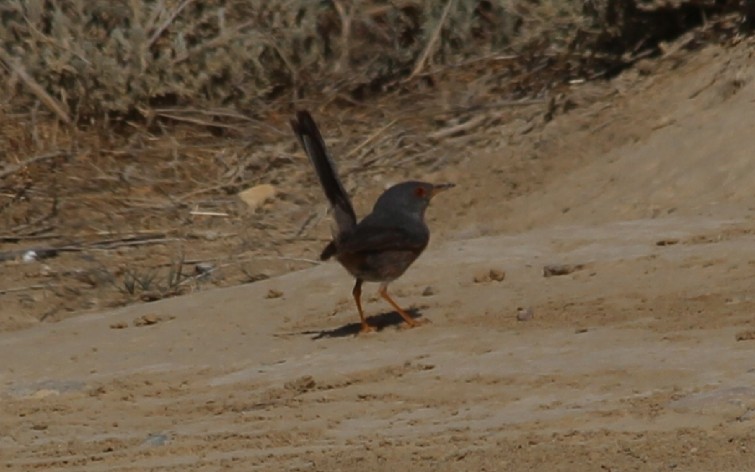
(387, 241)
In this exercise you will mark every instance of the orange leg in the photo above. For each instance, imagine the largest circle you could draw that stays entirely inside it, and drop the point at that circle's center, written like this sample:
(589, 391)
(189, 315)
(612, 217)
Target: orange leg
(357, 292)
(384, 293)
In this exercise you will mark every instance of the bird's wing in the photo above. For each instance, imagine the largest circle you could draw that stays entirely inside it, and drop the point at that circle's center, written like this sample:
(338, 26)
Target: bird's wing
(367, 238)
(309, 136)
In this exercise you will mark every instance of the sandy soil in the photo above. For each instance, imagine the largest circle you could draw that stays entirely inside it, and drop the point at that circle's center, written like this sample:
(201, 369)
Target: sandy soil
(641, 358)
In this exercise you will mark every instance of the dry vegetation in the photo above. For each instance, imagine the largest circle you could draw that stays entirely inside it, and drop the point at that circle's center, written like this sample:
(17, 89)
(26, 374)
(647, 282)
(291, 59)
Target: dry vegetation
(128, 127)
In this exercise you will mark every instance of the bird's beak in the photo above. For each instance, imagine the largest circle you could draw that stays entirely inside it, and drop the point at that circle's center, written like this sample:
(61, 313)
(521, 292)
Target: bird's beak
(437, 188)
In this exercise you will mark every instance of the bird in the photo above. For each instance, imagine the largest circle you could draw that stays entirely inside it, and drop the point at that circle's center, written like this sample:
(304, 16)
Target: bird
(382, 246)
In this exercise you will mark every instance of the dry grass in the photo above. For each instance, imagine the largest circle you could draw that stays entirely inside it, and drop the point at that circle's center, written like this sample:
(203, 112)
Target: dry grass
(96, 59)
(93, 60)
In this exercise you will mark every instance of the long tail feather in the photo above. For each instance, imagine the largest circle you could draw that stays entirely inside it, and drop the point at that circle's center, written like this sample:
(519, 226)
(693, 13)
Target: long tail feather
(309, 136)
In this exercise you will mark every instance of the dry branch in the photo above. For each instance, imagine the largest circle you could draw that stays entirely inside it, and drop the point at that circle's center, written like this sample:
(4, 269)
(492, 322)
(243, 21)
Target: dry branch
(460, 128)
(34, 87)
(105, 244)
(167, 22)
(369, 139)
(431, 43)
(3, 291)
(12, 169)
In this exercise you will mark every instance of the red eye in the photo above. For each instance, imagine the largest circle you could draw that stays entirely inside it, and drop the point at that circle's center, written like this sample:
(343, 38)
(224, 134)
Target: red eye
(420, 192)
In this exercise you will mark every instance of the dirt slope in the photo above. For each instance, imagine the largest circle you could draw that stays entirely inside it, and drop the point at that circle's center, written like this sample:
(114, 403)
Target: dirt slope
(640, 359)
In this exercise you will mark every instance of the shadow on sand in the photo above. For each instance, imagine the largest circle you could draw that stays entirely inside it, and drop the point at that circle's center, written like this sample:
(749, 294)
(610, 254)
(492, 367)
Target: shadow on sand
(380, 322)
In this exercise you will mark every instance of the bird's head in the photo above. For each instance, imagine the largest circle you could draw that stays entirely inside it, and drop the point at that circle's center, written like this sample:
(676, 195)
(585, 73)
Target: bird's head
(409, 197)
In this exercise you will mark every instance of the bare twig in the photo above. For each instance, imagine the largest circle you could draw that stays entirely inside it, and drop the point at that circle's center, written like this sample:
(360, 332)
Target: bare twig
(305, 224)
(197, 121)
(116, 243)
(105, 244)
(212, 44)
(460, 128)
(12, 169)
(431, 43)
(286, 258)
(345, 34)
(3, 291)
(14, 238)
(370, 139)
(468, 62)
(499, 104)
(188, 112)
(159, 31)
(208, 213)
(194, 193)
(37, 90)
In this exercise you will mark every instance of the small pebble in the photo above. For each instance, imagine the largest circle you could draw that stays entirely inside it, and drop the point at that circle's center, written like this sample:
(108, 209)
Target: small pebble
(156, 440)
(204, 268)
(492, 274)
(300, 385)
(748, 335)
(147, 320)
(204, 271)
(273, 293)
(428, 291)
(561, 269)
(210, 235)
(481, 278)
(524, 314)
(257, 195)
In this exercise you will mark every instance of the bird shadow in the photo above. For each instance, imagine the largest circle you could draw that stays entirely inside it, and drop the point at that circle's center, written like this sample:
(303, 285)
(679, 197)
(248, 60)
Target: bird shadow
(380, 322)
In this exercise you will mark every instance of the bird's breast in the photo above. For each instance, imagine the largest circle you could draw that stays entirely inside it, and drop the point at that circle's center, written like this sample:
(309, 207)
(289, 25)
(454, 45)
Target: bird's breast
(378, 266)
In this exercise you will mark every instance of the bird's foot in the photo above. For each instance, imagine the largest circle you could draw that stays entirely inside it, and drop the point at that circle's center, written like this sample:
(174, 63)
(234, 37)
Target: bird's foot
(416, 322)
(366, 329)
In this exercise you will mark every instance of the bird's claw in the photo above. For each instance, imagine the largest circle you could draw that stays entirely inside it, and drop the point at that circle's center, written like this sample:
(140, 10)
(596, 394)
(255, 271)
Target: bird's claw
(416, 322)
(367, 329)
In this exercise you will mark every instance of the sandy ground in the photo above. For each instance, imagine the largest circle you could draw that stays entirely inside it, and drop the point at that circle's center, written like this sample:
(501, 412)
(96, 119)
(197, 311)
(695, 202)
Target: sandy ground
(641, 358)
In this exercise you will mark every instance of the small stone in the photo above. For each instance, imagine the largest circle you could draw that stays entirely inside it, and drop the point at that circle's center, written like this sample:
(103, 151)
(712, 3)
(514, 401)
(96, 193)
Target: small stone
(552, 270)
(301, 385)
(257, 195)
(147, 320)
(204, 268)
(481, 278)
(492, 274)
(156, 440)
(524, 314)
(645, 66)
(497, 275)
(206, 235)
(428, 291)
(151, 296)
(667, 242)
(273, 293)
(119, 325)
(748, 335)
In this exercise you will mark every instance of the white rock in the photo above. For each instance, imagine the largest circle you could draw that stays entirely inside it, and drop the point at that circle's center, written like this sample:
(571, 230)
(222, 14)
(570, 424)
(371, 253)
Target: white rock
(30, 256)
